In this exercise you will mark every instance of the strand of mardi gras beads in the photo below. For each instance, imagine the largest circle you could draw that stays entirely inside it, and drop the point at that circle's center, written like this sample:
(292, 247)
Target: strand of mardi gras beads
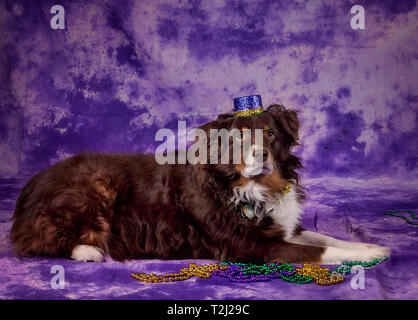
(193, 270)
(345, 267)
(269, 271)
(242, 272)
(252, 272)
(411, 213)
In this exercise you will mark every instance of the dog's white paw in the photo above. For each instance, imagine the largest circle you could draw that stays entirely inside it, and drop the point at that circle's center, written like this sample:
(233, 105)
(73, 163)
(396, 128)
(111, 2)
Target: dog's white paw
(373, 253)
(87, 253)
(333, 255)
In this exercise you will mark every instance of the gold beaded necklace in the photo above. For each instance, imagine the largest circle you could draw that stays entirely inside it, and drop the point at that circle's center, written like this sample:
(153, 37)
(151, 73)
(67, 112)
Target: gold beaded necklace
(193, 270)
(319, 274)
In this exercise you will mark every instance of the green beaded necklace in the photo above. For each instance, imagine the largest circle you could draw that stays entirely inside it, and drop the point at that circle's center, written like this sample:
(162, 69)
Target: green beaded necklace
(345, 267)
(411, 213)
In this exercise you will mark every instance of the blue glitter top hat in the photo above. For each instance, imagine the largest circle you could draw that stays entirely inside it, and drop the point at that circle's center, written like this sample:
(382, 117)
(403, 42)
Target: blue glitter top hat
(248, 106)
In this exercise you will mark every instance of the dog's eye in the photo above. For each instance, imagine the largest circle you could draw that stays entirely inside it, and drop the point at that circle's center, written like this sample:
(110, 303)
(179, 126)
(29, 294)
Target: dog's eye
(270, 133)
(239, 135)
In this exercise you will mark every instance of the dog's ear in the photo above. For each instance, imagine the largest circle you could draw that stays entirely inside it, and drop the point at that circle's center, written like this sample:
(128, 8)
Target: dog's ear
(288, 120)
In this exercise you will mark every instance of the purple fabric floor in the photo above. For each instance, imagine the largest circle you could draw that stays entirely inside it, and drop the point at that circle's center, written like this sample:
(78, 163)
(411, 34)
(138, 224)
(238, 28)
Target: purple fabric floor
(344, 208)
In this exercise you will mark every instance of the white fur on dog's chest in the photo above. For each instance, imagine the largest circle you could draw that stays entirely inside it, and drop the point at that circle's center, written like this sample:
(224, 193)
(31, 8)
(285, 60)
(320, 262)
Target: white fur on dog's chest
(285, 210)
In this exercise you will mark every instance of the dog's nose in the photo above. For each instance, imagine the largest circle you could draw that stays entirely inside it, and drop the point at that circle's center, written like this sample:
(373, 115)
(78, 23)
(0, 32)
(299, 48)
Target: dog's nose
(265, 154)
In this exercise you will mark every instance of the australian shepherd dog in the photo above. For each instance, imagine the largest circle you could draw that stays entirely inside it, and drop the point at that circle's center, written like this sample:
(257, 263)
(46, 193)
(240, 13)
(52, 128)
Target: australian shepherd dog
(127, 206)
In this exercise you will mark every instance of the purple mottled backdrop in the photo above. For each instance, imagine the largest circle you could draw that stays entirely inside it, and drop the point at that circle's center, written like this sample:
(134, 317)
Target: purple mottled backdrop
(123, 69)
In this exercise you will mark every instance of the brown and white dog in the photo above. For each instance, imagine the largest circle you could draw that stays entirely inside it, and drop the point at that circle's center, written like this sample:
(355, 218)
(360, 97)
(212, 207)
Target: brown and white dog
(128, 206)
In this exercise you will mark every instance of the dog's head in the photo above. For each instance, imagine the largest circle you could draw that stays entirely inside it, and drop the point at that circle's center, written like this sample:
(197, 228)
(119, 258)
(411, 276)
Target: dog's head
(265, 160)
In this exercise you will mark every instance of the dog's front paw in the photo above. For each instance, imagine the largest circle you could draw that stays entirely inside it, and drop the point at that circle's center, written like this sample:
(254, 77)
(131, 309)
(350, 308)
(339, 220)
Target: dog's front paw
(333, 255)
(373, 252)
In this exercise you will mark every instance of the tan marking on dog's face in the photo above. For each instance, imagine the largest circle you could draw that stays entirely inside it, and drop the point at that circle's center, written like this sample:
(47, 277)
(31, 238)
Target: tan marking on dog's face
(241, 182)
(274, 182)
